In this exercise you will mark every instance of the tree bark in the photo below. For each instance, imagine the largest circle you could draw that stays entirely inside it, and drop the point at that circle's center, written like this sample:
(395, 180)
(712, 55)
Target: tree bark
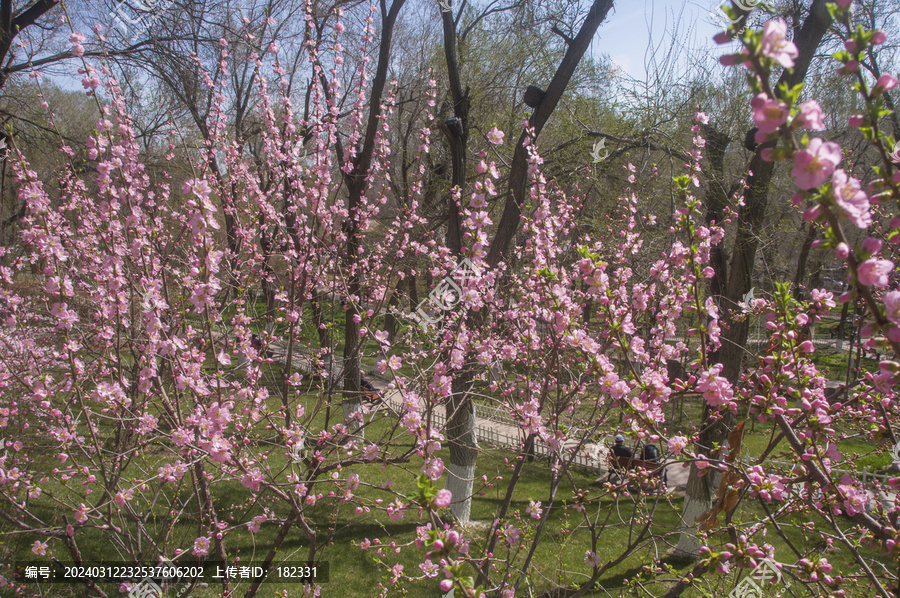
(461, 433)
(518, 175)
(11, 26)
(356, 186)
(463, 440)
(698, 496)
(800, 274)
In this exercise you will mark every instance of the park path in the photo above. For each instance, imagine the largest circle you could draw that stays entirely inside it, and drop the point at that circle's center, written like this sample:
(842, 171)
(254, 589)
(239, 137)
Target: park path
(491, 431)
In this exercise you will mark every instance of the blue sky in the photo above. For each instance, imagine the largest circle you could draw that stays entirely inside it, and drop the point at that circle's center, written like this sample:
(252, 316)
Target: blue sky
(633, 24)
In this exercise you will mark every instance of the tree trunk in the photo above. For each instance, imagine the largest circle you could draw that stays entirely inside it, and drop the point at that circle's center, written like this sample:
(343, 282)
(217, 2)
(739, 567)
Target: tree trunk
(800, 275)
(413, 291)
(461, 433)
(518, 174)
(698, 496)
(357, 183)
(463, 441)
(390, 320)
(734, 338)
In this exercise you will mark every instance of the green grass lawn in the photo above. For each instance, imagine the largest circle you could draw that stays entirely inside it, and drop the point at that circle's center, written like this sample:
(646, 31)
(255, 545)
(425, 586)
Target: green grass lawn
(354, 572)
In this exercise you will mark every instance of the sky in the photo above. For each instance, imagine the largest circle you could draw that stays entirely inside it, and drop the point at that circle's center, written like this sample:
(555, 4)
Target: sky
(627, 33)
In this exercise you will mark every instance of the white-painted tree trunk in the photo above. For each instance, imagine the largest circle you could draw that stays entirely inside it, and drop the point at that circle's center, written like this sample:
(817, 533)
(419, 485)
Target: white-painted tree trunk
(697, 500)
(688, 544)
(460, 481)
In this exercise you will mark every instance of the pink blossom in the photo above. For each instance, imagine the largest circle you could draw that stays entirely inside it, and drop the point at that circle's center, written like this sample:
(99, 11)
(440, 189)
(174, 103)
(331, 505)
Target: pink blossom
(886, 82)
(892, 306)
(534, 509)
(429, 569)
(855, 121)
(77, 38)
(592, 559)
(495, 136)
(121, 497)
(768, 488)
(201, 547)
(878, 38)
(443, 499)
(813, 165)
(851, 199)
(716, 389)
(433, 468)
(871, 245)
(855, 500)
(39, 548)
(811, 116)
(775, 44)
(81, 513)
(252, 479)
(874, 272)
(395, 511)
(768, 114)
(257, 521)
(677, 444)
(895, 154)
(90, 82)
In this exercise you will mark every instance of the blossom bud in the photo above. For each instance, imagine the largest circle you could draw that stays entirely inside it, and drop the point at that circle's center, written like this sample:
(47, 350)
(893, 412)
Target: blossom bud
(871, 245)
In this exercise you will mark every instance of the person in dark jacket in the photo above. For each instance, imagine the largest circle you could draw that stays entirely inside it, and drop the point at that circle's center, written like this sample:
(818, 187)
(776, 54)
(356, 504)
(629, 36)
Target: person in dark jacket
(620, 450)
(371, 393)
(650, 453)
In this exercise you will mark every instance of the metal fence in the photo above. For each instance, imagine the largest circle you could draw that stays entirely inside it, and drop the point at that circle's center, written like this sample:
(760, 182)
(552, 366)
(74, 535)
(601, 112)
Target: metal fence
(490, 435)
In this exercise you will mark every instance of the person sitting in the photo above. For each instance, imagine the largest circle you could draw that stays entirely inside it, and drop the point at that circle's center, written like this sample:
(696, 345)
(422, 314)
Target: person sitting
(371, 393)
(620, 450)
(650, 453)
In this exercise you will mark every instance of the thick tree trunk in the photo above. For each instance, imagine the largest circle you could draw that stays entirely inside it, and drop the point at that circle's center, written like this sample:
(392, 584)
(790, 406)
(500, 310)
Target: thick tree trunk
(390, 320)
(800, 274)
(518, 174)
(463, 442)
(357, 183)
(461, 433)
(413, 291)
(698, 496)
(716, 202)
(739, 281)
